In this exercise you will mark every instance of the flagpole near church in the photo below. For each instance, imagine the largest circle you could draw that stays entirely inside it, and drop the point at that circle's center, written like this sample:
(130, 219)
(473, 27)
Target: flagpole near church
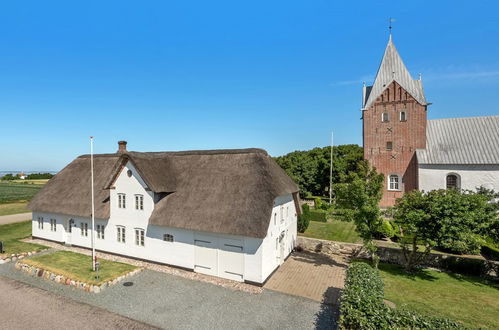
(93, 205)
(331, 171)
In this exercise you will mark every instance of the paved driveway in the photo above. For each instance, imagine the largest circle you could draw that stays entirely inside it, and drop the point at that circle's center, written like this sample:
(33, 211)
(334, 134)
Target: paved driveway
(311, 275)
(26, 307)
(172, 302)
(4, 219)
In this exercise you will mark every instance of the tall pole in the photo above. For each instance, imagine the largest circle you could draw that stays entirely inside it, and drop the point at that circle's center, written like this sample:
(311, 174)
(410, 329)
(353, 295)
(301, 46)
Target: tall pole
(93, 206)
(331, 172)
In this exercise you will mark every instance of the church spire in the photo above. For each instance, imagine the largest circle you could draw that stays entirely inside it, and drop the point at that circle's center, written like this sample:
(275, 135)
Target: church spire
(392, 68)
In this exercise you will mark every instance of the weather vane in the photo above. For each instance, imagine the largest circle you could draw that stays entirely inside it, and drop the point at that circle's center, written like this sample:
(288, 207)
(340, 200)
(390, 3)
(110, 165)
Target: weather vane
(390, 21)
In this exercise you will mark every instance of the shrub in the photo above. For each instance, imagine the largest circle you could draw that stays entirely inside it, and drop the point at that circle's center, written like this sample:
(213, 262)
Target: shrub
(362, 305)
(386, 229)
(303, 219)
(466, 266)
(490, 251)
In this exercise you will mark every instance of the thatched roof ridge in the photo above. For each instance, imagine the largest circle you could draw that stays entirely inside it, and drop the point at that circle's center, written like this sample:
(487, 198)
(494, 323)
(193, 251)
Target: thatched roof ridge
(221, 191)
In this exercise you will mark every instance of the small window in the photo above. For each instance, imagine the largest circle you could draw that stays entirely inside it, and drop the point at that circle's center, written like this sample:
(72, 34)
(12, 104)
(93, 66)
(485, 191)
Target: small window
(168, 238)
(403, 116)
(121, 201)
(275, 218)
(120, 230)
(53, 224)
(129, 173)
(84, 229)
(282, 213)
(139, 202)
(384, 117)
(40, 222)
(394, 182)
(139, 237)
(452, 181)
(389, 146)
(100, 231)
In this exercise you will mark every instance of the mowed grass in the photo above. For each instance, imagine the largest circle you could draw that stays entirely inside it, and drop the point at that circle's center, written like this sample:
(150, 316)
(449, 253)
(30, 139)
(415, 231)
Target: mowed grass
(18, 191)
(333, 230)
(78, 266)
(470, 300)
(11, 234)
(14, 208)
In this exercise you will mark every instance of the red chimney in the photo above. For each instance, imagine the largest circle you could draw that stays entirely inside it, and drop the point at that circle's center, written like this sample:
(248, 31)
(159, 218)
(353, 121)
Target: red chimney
(122, 146)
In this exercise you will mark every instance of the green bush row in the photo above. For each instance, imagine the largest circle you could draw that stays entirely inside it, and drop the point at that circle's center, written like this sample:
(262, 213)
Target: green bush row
(362, 305)
(315, 215)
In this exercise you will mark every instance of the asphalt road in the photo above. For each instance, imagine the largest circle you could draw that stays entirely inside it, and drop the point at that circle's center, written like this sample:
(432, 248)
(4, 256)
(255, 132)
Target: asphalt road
(23, 306)
(5, 219)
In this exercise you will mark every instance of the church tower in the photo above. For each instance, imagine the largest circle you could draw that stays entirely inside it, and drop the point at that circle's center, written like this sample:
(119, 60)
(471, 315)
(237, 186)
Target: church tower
(394, 125)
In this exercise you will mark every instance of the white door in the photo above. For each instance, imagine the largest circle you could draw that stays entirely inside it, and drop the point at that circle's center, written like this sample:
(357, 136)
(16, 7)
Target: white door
(231, 259)
(205, 254)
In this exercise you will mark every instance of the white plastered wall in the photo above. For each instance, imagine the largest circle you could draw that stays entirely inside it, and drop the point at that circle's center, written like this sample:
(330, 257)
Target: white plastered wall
(433, 177)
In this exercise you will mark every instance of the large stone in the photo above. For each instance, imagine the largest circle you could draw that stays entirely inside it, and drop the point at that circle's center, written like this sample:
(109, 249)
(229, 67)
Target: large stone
(40, 273)
(95, 289)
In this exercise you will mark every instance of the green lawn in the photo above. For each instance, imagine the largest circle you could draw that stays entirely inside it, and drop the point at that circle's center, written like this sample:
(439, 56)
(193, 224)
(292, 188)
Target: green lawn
(78, 266)
(11, 233)
(333, 230)
(13, 208)
(470, 300)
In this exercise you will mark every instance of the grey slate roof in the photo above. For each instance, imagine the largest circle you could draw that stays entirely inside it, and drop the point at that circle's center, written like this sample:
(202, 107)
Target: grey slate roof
(392, 68)
(472, 140)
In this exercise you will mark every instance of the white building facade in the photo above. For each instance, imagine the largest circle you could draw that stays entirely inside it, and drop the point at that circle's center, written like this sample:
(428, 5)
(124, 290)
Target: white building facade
(128, 232)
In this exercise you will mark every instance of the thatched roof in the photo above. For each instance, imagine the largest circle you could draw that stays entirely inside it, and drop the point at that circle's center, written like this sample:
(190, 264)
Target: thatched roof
(220, 191)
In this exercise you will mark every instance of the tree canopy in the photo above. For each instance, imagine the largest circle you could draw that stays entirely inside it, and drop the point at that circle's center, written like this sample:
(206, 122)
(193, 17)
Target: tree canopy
(310, 169)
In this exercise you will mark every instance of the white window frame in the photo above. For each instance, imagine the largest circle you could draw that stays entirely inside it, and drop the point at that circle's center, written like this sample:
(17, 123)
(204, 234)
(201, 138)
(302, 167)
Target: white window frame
(40, 223)
(405, 115)
(121, 201)
(84, 229)
(458, 180)
(139, 236)
(139, 202)
(383, 117)
(391, 146)
(53, 225)
(168, 238)
(100, 231)
(397, 186)
(121, 234)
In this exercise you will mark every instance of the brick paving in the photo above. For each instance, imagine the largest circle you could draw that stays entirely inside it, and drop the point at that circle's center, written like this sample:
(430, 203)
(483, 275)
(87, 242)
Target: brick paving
(311, 275)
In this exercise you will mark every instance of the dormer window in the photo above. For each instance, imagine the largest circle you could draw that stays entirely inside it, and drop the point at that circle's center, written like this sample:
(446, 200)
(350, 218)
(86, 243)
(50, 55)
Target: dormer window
(384, 117)
(139, 202)
(122, 201)
(403, 116)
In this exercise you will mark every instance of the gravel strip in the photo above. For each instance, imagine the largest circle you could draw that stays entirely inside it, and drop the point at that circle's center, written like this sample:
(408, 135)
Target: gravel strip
(156, 267)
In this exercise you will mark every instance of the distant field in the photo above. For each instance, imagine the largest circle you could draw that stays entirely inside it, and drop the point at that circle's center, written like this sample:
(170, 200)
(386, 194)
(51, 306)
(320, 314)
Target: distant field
(13, 208)
(10, 192)
(36, 181)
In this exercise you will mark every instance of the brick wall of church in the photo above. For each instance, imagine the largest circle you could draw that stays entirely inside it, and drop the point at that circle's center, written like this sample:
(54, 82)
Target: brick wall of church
(405, 136)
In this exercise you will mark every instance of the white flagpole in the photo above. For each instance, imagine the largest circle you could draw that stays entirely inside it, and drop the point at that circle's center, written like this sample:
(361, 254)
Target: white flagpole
(93, 206)
(331, 172)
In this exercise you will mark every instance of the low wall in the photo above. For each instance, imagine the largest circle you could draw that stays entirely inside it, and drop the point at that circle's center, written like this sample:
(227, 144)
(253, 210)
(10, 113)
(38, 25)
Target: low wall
(395, 255)
(14, 257)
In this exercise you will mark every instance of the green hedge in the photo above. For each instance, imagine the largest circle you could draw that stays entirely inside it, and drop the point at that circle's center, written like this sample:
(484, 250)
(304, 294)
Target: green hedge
(489, 251)
(362, 305)
(315, 215)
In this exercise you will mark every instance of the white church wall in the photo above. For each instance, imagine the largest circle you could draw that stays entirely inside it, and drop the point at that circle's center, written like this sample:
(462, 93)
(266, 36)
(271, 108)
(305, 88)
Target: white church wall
(432, 177)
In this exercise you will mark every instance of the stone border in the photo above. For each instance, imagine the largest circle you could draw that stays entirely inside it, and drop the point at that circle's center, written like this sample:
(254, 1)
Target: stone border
(40, 272)
(14, 257)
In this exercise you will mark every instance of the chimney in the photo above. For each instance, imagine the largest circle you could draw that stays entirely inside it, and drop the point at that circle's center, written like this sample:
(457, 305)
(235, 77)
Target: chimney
(122, 146)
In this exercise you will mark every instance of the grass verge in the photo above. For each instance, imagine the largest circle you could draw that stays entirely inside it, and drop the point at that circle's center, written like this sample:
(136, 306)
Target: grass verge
(12, 233)
(78, 266)
(13, 208)
(471, 300)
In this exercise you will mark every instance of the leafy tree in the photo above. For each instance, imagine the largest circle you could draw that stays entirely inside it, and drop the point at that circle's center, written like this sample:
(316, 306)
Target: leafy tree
(310, 169)
(35, 176)
(451, 220)
(359, 199)
(303, 219)
(10, 177)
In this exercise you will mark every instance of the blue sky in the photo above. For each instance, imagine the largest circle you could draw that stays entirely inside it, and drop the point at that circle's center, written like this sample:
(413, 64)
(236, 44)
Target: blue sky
(278, 75)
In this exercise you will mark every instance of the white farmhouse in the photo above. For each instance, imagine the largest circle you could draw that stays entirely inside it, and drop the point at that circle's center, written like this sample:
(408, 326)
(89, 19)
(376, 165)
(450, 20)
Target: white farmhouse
(226, 213)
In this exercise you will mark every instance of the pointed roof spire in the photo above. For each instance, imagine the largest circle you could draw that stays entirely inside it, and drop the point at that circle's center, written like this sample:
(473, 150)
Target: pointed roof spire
(392, 68)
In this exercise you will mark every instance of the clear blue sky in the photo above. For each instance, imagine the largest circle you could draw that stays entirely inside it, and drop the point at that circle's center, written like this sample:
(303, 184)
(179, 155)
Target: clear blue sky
(278, 75)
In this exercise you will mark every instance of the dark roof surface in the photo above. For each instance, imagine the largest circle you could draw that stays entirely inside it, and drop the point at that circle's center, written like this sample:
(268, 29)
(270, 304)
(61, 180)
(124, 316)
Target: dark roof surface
(222, 191)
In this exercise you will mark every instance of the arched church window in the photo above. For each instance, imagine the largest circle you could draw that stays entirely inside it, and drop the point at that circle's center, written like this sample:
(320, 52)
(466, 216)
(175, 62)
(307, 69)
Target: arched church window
(452, 181)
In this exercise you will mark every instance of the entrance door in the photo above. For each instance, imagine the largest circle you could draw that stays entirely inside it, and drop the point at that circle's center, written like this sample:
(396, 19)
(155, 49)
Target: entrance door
(69, 230)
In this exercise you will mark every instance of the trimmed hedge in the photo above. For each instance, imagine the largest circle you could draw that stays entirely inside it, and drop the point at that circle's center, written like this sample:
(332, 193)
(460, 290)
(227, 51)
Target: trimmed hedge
(318, 216)
(362, 305)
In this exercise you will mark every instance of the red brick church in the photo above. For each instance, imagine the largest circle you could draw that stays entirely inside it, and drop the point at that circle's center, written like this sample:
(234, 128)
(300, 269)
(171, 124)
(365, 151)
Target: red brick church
(394, 124)
(415, 153)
